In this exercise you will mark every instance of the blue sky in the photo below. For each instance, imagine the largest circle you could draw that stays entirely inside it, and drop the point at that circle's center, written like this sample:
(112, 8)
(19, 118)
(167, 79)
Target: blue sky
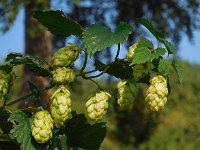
(13, 41)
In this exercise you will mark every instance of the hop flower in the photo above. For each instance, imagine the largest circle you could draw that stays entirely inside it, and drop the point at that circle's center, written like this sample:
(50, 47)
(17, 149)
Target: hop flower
(97, 105)
(63, 75)
(42, 126)
(131, 50)
(60, 106)
(6, 80)
(156, 96)
(66, 56)
(126, 93)
(141, 70)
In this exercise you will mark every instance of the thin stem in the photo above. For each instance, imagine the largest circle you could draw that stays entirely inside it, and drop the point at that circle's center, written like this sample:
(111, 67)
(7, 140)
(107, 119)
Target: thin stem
(91, 71)
(85, 62)
(118, 51)
(26, 96)
(95, 83)
(98, 74)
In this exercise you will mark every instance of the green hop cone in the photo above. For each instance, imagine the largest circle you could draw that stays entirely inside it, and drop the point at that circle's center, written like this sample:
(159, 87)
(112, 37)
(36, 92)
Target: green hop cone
(60, 106)
(156, 95)
(62, 75)
(66, 56)
(42, 126)
(97, 105)
(131, 51)
(141, 70)
(6, 80)
(127, 92)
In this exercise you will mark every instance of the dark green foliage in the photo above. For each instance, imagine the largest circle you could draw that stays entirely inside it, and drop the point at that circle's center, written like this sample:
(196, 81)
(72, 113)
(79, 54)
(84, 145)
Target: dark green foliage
(5, 126)
(35, 64)
(58, 23)
(83, 135)
(178, 70)
(163, 68)
(119, 69)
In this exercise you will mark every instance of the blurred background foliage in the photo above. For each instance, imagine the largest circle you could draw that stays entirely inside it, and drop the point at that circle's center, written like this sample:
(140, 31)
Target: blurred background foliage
(177, 126)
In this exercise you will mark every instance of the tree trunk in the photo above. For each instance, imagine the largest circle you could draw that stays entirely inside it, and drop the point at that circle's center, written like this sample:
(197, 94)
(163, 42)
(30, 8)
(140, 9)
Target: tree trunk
(38, 42)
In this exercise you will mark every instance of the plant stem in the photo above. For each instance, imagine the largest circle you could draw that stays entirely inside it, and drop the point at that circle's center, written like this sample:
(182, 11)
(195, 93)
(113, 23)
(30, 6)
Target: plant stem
(118, 51)
(26, 96)
(85, 62)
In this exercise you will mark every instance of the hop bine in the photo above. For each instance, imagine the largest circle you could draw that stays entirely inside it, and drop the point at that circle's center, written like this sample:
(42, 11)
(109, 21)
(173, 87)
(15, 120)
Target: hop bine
(127, 91)
(42, 126)
(66, 56)
(97, 105)
(63, 75)
(156, 95)
(60, 106)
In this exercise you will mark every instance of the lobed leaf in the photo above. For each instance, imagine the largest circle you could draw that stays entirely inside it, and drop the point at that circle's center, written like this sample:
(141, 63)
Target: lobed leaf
(163, 68)
(97, 37)
(22, 130)
(178, 69)
(58, 23)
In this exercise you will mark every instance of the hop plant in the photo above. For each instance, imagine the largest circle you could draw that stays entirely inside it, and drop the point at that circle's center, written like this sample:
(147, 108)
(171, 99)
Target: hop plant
(66, 56)
(42, 126)
(62, 75)
(6, 80)
(131, 51)
(141, 70)
(60, 106)
(97, 105)
(126, 93)
(156, 96)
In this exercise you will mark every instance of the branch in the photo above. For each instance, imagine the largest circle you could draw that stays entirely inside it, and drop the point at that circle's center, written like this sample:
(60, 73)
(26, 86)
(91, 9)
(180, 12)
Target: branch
(118, 51)
(85, 62)
(26, 96)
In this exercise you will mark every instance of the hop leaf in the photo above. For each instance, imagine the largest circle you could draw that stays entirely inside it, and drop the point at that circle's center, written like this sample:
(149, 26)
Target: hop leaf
(66, 56)
(22, 130)
(156, 96)
(42, 127)
(97, 105)
(60, 106)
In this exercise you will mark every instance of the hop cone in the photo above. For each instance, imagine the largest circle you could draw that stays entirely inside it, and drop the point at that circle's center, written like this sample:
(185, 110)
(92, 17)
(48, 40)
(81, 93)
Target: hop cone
(156, 96)
(6, 80)
(130, 53)
(42, 126)
(141, 70)
(126, 93)
(63, 75)
(60, 106)
(97, 105)
(66, 56)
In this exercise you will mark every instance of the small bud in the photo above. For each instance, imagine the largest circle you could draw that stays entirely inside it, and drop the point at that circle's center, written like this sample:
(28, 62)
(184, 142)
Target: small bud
(131, 51)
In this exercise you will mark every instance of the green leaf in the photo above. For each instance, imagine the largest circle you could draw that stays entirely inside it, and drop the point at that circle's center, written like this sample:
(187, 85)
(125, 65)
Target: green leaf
(5, 126)
(58, 23)
(150, 27)
(97, 37)
(168, 45)
(119, 68)
(144, 54)
(144, 42)
(84, 135)
(35, 64)
(163, 68)
(178, 70)
(22, 130)
(63, 141)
